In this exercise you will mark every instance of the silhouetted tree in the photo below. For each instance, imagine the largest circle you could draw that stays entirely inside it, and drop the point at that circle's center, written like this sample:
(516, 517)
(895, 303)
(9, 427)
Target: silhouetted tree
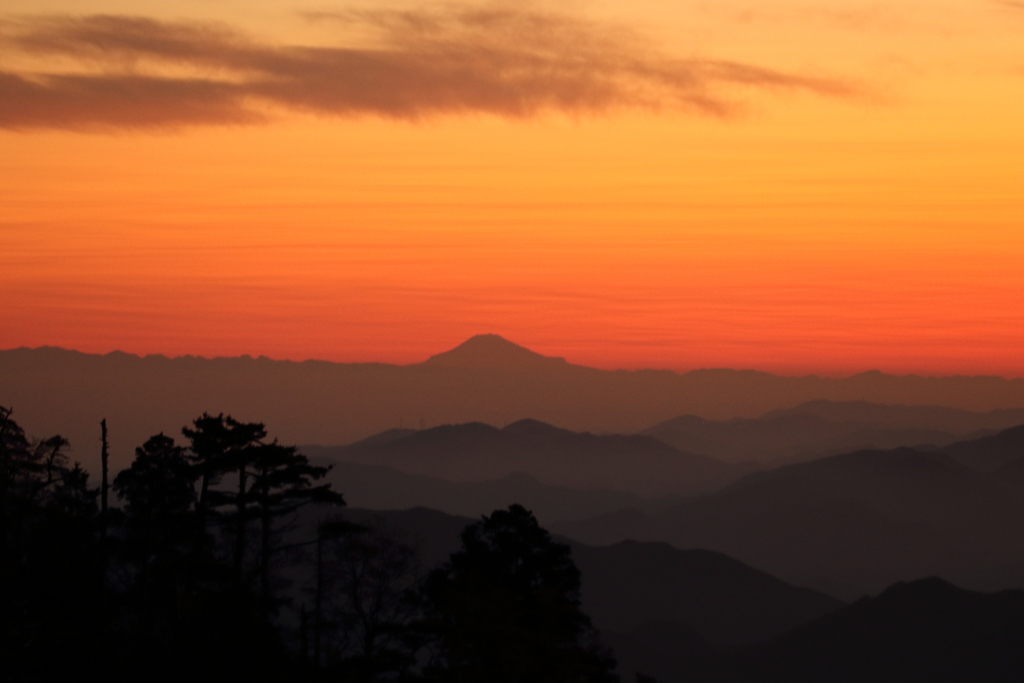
(47, 556)
(210, 439)
(158, 491)
(17, 468)
(221, 445)
(369, 574)
(506, 609)
(326, 531)
(104, 484)
(283, 481)
(104, 524)
(193, 615)
(31, 475)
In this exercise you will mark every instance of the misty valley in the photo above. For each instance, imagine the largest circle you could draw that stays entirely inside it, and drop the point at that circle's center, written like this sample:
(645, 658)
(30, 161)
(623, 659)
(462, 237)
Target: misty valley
(496, 515)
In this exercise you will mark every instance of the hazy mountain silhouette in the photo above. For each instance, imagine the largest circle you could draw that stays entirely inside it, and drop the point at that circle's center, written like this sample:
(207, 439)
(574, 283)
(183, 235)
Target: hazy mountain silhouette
(486, 380)
(991, 453)
(926, 417)
(822, 428)
(490, 352)
(479, 452)
(926, 630)
(651, 586)
(918, 417)
(388, 436)
(850, 524)
(630, 584)
(656, 602)
(785, 438)
(383, 488)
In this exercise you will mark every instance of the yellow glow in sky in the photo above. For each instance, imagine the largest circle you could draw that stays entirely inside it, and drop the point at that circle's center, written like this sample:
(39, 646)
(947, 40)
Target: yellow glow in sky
(771, 185)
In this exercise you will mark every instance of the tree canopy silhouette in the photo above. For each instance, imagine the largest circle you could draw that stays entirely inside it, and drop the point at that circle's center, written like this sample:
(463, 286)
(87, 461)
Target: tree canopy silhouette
(282, 483)
(48, 596)
(222, 445)
(506, 609)
(365, 607)
(160, 534)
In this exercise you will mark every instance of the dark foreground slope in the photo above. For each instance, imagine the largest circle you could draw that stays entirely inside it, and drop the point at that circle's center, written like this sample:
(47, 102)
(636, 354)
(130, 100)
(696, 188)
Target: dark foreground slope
(851, 524)
(478, 452)
(927, 631)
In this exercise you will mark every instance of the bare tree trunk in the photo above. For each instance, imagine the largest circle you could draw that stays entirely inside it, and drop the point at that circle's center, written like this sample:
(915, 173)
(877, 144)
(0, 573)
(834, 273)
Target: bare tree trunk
(266, 520)
(318, 603)
(240, 522)
(104, 485)
(102, 569)
(204, 491)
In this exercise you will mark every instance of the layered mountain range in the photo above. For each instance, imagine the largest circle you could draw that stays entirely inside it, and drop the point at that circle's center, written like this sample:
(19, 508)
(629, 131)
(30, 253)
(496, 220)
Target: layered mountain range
(694, 602)
(486, 379)
(721, 519)
(695, 615)
(478, 452)
(849, 524)
(854, 523)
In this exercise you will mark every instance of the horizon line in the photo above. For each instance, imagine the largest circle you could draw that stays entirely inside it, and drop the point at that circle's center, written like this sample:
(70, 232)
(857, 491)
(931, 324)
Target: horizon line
(262, 357)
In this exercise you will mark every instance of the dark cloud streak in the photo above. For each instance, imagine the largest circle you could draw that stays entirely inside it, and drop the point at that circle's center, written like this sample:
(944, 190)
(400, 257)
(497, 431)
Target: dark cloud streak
(98, 102)
(500, 62)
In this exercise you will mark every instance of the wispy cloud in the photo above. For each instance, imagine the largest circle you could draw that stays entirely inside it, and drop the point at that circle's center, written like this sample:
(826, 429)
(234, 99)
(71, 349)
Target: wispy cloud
(134, 72)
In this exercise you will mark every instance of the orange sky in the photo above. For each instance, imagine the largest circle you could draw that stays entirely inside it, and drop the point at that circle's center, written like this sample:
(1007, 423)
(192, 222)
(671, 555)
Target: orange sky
(691, 184)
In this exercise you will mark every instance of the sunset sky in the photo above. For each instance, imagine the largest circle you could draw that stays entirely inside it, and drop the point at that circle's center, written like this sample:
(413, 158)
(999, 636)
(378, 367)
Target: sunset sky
(786, 185)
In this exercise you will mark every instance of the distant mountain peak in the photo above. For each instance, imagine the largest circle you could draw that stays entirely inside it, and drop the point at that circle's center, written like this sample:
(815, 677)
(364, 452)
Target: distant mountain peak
(485, 351)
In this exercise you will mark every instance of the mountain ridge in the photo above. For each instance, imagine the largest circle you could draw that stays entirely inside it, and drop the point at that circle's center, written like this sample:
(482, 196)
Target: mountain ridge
(476, 452)
(822, 428)
(63, 392)
(923, 630)
(854, 522)
(632, 583)
(501, 343)
(490, 351)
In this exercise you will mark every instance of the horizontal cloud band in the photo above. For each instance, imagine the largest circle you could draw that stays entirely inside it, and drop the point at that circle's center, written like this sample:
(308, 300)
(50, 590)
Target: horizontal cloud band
(133, 72)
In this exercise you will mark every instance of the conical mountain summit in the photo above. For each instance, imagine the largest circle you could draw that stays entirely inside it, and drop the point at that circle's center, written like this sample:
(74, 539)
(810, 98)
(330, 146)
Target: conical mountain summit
(485, 351)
